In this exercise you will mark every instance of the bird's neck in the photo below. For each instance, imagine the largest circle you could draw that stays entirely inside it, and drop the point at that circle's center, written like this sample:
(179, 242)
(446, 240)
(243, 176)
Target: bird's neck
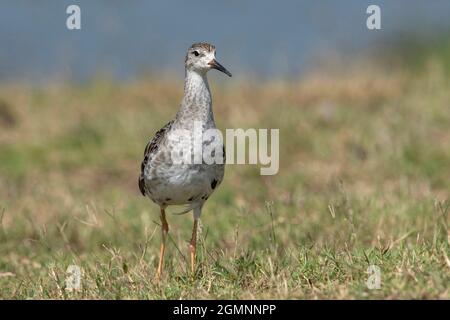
(196, 103)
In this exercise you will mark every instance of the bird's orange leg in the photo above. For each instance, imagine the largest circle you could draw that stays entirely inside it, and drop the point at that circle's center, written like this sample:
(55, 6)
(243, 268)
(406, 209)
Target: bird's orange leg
(193, 246)
(164, 232)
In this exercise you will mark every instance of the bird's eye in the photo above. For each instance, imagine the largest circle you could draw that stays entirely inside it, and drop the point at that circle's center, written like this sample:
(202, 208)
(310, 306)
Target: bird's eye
(196, 53)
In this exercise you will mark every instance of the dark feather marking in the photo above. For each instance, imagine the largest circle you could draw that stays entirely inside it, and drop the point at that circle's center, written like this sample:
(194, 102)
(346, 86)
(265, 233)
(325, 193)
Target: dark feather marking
(151, 149)
(213, 184)
(141, 185)
(224, 156)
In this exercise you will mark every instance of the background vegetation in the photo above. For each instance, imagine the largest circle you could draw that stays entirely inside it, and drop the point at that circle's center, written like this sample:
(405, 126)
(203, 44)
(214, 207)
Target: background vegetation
(363, 180)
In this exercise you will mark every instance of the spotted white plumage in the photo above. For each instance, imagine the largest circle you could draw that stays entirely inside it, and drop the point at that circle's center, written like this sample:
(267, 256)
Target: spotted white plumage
(168, 183)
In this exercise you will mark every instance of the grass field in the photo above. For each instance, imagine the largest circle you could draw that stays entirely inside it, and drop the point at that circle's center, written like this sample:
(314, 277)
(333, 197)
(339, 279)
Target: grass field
(364, 180)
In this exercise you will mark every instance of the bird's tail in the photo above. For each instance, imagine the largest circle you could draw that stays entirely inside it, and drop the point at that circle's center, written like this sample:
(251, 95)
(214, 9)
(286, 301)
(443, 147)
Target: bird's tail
(186, 209)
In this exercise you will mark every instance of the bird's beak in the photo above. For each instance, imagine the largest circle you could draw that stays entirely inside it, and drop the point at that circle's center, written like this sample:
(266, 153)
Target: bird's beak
(216, 65)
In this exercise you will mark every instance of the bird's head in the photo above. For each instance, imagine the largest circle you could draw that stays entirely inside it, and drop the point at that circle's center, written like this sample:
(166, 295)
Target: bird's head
(201, 57)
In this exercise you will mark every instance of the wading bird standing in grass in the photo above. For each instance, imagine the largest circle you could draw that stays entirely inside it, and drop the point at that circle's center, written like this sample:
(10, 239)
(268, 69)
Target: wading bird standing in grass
(167, 182)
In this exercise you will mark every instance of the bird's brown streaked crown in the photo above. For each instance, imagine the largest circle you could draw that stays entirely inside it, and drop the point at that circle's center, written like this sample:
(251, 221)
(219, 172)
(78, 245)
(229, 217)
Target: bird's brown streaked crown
(203, 45)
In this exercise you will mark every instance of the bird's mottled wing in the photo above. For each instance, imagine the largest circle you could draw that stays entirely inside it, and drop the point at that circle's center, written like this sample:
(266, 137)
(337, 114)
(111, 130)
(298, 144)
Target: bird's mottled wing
(150, 150)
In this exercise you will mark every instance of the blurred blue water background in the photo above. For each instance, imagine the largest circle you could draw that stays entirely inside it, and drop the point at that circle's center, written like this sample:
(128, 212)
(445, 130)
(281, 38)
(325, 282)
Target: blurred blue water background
(126, 39)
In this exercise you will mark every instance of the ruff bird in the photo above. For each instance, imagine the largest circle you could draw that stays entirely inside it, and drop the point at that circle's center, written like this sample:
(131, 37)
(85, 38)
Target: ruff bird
(168, 182)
